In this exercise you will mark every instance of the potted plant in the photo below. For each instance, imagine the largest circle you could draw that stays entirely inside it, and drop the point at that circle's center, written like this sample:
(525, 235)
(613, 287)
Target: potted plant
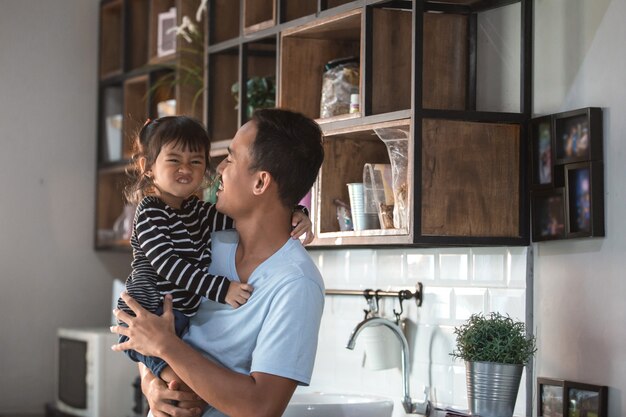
(495, 349)
(260, 93)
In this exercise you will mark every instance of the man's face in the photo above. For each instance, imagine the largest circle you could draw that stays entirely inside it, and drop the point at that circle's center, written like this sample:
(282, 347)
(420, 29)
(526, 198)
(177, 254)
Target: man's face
(235, 194)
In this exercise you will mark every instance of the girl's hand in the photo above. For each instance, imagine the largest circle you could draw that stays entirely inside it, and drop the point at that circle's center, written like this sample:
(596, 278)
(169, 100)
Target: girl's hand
(147, 333)
(302, 226)
(238, 294)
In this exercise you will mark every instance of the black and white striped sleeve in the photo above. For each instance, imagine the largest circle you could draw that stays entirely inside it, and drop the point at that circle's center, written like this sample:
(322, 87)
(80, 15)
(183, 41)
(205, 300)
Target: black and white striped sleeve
(153, 235)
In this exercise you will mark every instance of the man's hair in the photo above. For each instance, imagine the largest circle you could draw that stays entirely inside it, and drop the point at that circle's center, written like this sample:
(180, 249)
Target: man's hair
(288, 145)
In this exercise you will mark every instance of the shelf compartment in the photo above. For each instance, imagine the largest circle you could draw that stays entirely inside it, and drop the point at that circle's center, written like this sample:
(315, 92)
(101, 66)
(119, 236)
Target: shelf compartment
(136, 92)
(390, 75)
(445, 66)
(190, 91)
(295, 9)
(109, 207)
(470, 5)
(258, 15)
(223, 73)
(470, 179)
(111, 45)
(111, 148)
(137, 39)
(224, 20)
(158, 7)
(260, 61)
(445, 70)
(329, 4)
(498, 59)
(305, 51)
(346, 153)
(161, 91)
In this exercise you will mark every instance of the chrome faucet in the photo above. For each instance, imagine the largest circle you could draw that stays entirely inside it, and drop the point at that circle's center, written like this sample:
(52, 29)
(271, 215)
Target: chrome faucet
(409, 406)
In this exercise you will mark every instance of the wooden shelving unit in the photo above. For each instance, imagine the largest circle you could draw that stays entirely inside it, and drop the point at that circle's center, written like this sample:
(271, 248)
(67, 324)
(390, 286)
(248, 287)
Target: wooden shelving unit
(421, 70)
(133, 80)
(111, 47)
(258, 15)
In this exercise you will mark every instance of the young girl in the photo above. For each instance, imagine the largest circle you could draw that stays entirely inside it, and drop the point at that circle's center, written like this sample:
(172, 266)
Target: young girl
(171, 237)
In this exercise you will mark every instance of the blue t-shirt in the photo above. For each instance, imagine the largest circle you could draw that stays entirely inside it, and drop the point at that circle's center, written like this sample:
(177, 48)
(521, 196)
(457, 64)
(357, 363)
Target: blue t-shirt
(276, 331)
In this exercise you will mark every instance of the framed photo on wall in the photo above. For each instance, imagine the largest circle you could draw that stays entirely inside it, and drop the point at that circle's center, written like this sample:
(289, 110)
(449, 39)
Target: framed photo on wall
(561, 398)
(567, 175)
(551, 397)
(549, 218)
(578, 135)
(542, 155)
(586, 400)
(585, 199)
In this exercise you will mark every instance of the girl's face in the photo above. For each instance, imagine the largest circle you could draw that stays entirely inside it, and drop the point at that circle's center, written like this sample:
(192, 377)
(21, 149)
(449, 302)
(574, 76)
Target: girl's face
(177, 173)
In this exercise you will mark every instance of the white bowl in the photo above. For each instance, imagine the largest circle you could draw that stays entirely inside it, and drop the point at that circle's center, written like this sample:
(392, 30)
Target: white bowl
(319, 404)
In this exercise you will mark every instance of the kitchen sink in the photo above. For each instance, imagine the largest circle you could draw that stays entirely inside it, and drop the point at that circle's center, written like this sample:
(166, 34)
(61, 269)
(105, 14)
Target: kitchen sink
(319, 404)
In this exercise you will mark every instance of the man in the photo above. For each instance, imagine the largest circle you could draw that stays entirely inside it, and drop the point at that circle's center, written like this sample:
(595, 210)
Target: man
(257, 354)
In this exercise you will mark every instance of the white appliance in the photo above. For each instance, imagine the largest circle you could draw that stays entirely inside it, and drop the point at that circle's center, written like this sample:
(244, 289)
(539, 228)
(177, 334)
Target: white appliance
(93, 380)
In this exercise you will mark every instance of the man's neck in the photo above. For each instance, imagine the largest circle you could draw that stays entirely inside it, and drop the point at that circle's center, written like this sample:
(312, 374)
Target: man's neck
(259, 238)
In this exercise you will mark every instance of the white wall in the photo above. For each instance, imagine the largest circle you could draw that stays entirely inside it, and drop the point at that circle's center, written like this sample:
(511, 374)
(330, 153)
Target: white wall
(457, 282)
(50, 274)
(580, 313)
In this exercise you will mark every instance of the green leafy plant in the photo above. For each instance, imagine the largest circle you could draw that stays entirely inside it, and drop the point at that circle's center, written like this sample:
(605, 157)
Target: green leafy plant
(494, 338)
(260, 93)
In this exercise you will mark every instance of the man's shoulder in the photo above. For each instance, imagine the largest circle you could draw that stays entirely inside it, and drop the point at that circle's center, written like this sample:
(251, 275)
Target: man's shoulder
(294, 263)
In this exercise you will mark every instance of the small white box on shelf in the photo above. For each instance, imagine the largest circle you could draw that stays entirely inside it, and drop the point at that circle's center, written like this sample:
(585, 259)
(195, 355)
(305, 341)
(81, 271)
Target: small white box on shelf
(166, 108)
(114, 137)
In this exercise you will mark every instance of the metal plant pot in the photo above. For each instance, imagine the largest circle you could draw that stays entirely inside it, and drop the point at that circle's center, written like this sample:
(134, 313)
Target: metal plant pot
(492, 388)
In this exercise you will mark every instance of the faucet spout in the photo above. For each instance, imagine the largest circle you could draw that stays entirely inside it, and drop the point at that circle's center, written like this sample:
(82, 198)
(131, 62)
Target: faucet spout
(409, 406)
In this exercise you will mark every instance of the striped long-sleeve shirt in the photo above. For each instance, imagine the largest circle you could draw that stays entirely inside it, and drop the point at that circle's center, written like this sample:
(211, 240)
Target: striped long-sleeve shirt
(171, 254)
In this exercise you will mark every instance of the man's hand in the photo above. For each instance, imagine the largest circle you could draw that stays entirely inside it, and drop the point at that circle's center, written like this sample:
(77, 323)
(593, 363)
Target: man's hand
(167, 400)
(147, 333)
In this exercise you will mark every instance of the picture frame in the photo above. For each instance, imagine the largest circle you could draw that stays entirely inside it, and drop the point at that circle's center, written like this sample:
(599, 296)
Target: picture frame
(549, 214)
(578, 135)
(585, 199)
(542, 154)
(166, 39)
(566, 170)
(551, 398)
(561, 398)
(586, 400)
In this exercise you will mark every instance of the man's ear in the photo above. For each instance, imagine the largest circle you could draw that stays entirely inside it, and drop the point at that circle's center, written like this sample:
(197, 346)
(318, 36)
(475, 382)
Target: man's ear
(262, 183)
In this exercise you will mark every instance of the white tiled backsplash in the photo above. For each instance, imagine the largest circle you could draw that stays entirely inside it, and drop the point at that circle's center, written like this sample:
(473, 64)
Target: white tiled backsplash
(457, 282)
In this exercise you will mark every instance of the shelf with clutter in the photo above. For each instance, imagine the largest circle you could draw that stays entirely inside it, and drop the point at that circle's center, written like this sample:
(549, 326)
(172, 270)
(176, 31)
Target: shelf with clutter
(424, 68)
(147, 69)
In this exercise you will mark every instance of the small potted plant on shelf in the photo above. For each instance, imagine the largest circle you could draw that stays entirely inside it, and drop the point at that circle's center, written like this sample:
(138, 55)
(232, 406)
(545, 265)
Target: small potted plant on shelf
(495, 349)
(260, 93)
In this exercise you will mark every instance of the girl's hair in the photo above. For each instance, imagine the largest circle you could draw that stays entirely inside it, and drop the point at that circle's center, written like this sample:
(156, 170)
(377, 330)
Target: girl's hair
(181, 131)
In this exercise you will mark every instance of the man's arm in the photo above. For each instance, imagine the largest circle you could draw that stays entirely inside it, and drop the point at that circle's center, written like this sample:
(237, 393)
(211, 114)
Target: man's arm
(162, 397)
(234, 394)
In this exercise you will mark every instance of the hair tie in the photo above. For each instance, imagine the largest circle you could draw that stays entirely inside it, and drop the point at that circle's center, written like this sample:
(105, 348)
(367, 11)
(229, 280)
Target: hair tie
(147, 121)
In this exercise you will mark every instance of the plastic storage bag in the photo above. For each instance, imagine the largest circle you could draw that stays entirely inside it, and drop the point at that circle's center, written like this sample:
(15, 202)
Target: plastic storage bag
(340, 80)
(397, 142)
